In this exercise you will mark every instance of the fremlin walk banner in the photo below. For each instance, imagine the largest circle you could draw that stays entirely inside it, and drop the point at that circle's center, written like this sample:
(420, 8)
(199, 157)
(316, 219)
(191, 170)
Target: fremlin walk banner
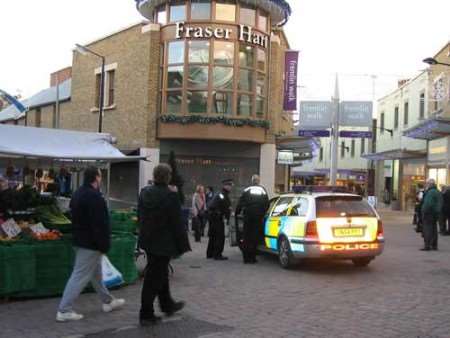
(290, 80)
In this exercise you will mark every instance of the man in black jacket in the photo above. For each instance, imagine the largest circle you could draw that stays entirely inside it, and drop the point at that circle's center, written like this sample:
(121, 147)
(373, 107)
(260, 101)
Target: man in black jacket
(162, 236)
(91, 239)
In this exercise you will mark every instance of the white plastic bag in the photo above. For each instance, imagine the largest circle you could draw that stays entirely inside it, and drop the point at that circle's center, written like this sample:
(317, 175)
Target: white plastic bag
(111, 276)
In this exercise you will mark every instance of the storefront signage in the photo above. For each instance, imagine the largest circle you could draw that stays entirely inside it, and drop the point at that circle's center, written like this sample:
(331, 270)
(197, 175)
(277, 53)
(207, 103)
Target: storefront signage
(356, 113)
(315, 114)
(355, 134)
(245, 34)
(314, 133)
(285, 157)
(290, 80)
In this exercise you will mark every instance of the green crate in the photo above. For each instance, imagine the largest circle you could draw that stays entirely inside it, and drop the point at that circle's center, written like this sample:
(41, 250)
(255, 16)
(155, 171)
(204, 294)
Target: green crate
(122, 255)
(17, 268)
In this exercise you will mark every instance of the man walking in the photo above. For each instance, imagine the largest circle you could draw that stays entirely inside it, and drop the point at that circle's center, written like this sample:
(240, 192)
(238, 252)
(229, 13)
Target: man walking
(431, 209)
(91, 239)
(219, 211)
(162, 236)
(445, 217)
(254, 203)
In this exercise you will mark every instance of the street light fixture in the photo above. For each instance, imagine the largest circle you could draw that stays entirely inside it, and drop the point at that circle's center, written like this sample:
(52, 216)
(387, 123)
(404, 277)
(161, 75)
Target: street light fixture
(433, 62)
(83, 50)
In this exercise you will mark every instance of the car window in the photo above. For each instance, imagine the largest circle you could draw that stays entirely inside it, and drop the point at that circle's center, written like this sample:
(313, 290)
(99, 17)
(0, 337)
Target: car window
(281, 207)
(271, 204)
(343, 206)
(300, 208)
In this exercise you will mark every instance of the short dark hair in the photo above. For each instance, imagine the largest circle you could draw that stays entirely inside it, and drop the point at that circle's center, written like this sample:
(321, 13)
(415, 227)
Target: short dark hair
(162, 173)
(90, 175)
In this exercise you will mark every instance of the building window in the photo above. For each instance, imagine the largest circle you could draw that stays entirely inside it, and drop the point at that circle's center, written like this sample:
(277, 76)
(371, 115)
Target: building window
(38, 120)
(223, 78)
(245, 80)
(352, 149)
(363, 146)
(197, 102)
(247, 16)
(406, 113)
(396, 117)
(223, 53)
(321, 154)
(175, 77)
(199, 51)
(200, 10)
(222, 103)
(382, 123)
(176, 52)
(198, 77)
(111, 86)
(246, 56)
(177, 12)
(263, 21)
(161, 15)
(174, 102)
(225, 11)
(245, 105)
(98, 83)
(342, 149)
(422, 106)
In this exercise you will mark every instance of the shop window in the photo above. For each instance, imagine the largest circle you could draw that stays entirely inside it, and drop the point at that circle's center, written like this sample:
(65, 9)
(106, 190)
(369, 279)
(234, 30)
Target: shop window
(422, 106)
(247, 16)
(396, 117)
(406, 113)
(198, 77)
(200, 9)
(223, 103)
(111, 87)
(175, 77)
(245, 80)
(199, 51)
(223, 53)
(174, 102)
(245, 105)
(262, 21)
(197, 102)
(161, 15)
(246, 56)
(223, 78)
(176, 52)
(260, 84)
(260, 106)
(177, 12)
(226, 11)
(261, 60)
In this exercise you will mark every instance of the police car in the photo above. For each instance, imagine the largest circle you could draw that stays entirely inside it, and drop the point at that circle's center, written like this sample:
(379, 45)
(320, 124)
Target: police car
(322, 224)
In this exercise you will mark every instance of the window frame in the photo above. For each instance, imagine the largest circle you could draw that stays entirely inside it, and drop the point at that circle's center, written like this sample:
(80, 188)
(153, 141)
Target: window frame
(285, 211)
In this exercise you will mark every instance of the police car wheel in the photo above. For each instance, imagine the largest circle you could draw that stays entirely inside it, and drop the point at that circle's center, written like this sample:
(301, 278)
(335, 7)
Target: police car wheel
(285, 254)
(362, 262)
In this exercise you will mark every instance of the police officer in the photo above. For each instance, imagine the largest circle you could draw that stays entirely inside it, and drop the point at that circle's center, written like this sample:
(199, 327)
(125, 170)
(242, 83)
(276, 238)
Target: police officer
(219, 210)
(254, 202)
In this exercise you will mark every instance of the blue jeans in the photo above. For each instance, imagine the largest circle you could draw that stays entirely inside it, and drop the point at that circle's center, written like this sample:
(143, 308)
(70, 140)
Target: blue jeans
(88, 268)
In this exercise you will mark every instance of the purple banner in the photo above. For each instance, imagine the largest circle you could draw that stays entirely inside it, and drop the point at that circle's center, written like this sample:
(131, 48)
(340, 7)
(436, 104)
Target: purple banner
(314, 133)
(290, 80)
(355, 134)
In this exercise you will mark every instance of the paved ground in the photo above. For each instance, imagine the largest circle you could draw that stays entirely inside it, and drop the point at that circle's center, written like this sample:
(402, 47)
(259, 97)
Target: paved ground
(404, 293)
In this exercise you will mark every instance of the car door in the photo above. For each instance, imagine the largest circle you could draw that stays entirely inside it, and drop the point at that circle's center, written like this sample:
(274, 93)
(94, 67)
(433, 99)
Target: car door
(275, 220)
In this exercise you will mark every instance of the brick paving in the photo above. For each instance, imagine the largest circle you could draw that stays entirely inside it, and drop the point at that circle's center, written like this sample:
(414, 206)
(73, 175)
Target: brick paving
(403, 293)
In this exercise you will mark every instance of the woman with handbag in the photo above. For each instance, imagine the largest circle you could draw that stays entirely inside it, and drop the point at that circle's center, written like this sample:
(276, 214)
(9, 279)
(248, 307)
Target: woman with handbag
(198, 212)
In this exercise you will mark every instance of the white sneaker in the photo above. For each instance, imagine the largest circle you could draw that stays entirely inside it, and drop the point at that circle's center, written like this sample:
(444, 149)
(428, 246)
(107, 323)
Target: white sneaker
(114, 305)
(68, 316)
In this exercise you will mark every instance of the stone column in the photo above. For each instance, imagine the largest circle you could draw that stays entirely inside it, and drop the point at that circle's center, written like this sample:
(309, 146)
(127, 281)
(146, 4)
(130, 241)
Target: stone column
(267, 167)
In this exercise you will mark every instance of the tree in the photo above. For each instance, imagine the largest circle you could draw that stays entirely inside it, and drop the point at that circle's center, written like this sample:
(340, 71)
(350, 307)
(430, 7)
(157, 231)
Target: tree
(177, 180)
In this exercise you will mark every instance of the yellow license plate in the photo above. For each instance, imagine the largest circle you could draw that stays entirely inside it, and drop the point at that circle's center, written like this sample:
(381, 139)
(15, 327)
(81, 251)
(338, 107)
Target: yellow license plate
(348, 232)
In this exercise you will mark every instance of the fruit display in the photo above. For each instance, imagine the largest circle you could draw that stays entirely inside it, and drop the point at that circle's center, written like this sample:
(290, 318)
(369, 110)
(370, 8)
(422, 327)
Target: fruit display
(52, 235)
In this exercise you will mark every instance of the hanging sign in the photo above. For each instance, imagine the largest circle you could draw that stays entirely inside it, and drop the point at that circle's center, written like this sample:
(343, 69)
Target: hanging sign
(290, 80)
(314, 133)
(355, 134)
(315, 114)
(356, 113)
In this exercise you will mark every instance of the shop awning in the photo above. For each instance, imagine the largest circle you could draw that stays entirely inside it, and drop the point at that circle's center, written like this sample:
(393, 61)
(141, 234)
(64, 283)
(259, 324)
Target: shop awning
(430, 129)
(298, 144)
(58, 144)
(397, 154)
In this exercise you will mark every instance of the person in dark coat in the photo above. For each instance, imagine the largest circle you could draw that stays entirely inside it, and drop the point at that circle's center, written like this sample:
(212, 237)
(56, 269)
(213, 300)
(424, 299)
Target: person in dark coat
(162, 236)
(92, 240)
(219, 211)
(431, 209)
(445, 220)
(254, 202)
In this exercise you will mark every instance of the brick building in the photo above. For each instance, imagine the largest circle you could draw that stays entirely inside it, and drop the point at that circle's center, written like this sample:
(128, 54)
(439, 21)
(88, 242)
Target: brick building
(201, 78)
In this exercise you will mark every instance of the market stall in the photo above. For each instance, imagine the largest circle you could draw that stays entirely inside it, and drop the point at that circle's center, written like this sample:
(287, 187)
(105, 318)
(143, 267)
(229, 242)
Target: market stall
(36, 255)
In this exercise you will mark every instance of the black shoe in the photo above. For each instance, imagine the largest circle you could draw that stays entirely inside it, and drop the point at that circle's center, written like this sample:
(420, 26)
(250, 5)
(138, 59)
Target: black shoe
(209, 257)
(425, 249)
(221, 258)
(150, 321)
(177, 306)
(435, 249)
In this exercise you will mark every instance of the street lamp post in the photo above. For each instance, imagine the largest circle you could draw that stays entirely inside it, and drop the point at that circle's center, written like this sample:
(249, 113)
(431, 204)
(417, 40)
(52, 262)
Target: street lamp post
(433, 62)
(84, 51)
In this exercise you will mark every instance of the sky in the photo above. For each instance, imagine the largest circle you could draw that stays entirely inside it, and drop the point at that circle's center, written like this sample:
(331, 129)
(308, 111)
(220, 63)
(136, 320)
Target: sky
(370, 44)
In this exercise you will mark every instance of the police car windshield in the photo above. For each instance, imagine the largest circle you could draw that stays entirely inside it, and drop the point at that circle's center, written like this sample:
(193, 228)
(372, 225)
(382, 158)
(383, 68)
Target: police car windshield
(343, 206)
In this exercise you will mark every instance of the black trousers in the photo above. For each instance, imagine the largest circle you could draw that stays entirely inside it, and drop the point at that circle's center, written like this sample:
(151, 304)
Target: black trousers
(197, 227)
(430, 231)
(444, 223)
(251, 237)
(216, 242)
(156, 284)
